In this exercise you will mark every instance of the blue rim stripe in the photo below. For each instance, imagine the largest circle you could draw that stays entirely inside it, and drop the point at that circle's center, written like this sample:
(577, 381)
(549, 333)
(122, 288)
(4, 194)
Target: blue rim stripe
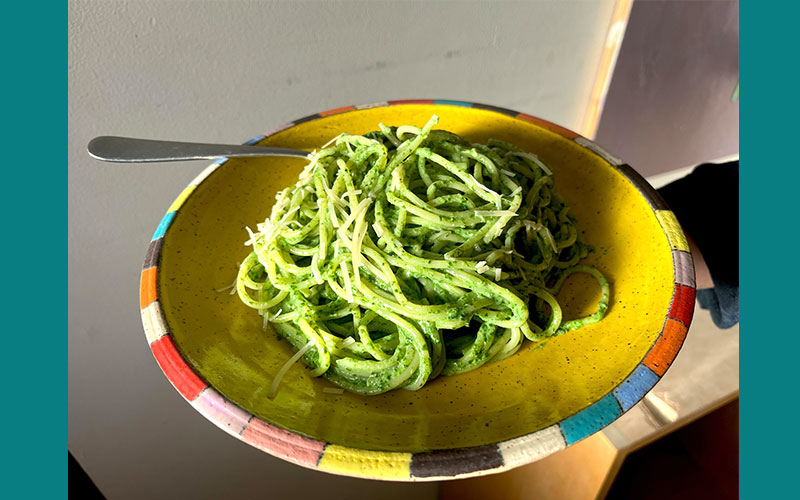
(453, 103)
(163, 225)
(638, 383)
(592, 419)
(254, 140)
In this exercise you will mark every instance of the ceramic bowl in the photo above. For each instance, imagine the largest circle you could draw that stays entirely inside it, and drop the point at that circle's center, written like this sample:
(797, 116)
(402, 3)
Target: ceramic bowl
(214, 351)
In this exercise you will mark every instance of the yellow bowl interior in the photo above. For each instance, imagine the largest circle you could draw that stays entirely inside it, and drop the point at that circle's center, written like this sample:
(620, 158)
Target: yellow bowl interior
(224, 342)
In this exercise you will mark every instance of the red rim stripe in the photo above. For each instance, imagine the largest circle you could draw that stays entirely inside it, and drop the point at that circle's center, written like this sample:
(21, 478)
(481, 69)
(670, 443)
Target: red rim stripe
(682, 307)
(186, 381)
(558, 129)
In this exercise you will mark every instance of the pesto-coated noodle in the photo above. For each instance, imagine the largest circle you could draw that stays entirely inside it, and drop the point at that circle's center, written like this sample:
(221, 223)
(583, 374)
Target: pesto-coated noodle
(409, 253)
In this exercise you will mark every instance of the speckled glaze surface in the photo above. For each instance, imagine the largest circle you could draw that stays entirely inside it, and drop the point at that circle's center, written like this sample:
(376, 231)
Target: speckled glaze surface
(214, 351)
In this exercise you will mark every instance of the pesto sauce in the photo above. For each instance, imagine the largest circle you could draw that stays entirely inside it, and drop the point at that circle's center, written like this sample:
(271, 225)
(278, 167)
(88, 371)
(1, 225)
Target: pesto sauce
(435, 282)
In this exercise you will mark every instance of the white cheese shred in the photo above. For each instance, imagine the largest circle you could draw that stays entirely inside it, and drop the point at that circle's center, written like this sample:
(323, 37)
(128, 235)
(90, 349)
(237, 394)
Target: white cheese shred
(273, 388)
(495, 213)
(535, 159)
(348, 286)
(347, 342)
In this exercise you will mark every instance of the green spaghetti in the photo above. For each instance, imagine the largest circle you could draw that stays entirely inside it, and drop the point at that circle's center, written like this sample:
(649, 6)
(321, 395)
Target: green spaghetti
(409, 253)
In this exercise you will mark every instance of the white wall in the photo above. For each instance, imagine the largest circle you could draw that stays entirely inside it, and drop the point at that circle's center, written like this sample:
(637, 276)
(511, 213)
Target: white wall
(227, 71)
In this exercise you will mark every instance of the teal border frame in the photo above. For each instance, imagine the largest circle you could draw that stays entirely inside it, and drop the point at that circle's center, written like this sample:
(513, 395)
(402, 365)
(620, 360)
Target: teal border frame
(34, 39)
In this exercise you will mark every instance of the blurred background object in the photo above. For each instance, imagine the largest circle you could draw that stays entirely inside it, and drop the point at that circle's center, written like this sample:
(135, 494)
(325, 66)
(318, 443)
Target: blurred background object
(669, 102)
(228, 71)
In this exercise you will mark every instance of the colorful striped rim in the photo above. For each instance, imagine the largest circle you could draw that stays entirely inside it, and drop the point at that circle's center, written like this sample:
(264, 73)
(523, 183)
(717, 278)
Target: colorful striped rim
(442, 464)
